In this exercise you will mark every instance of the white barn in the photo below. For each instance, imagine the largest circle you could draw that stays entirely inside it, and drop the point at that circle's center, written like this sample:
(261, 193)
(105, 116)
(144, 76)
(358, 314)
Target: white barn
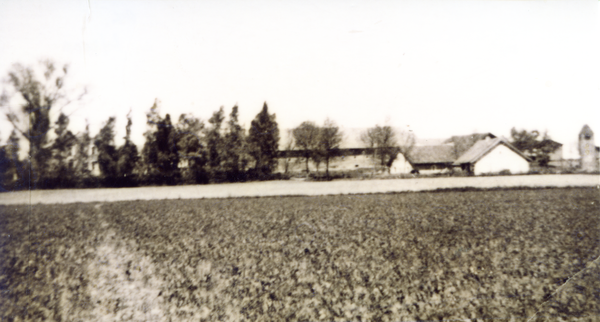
(493, 156)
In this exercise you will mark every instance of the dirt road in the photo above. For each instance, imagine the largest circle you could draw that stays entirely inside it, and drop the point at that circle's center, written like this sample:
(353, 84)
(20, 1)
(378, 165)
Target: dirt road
(283, 188)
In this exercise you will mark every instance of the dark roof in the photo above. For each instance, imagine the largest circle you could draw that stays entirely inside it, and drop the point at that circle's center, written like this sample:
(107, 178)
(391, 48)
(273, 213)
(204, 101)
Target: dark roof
(481, 148)
(462, 143)
(551, 143)
(432, 154)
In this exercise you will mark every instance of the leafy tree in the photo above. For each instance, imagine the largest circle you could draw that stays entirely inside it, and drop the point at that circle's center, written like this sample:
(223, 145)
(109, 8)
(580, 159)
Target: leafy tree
(306, 136)
(149, 151)
(215, 142)
(168, 157)
(128, 157)
(529, 143)
(160, 154)
(189, 144)
(235, 160)
(107, 152)
(263, 141)
(61, 167)
(82, 157)
(524, 140)
(35, 99)
(330, 139)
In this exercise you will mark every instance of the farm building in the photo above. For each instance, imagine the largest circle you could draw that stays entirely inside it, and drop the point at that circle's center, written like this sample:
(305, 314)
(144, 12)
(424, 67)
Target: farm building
(556, 152)
(439, 158)
(476, 153)
(432, 158)
(359, 159)
(493, 156)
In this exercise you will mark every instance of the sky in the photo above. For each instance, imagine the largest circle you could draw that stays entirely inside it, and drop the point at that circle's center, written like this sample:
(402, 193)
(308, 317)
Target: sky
(436, 68)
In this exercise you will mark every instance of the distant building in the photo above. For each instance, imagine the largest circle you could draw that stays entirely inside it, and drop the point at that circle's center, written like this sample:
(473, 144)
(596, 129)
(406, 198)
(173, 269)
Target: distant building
(93, 165)
(555, 154)
(477, 153)
(441, 157)
(432, 158)
(360, 159)
(493, 156)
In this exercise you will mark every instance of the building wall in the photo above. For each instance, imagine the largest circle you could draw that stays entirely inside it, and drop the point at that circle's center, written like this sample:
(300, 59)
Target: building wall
(433, 168)
(557, 155)
(345, 163)
(499, 159)
(589, 155)
(400, 165)
(353, 162)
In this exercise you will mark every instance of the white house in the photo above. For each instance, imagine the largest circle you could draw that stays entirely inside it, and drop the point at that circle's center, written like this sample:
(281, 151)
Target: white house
(400, 165)
(493, 156)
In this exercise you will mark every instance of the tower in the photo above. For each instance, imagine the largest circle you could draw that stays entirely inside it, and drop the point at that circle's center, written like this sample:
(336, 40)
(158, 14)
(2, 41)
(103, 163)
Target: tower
(587, 150)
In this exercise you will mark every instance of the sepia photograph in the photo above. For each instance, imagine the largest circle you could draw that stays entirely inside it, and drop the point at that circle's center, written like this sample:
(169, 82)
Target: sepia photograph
(264, 160)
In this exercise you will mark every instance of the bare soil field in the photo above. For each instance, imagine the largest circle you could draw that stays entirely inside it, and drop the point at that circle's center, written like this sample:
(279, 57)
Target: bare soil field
(294, 188)
(510, 255)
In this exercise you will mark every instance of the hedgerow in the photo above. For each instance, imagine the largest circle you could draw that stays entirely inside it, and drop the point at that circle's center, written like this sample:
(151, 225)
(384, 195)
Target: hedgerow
(504, 254)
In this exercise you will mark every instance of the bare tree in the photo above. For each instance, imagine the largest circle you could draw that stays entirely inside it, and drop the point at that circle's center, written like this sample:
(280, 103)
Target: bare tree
(406, 142)
(386, 143)
(383, 140)
(330, 139)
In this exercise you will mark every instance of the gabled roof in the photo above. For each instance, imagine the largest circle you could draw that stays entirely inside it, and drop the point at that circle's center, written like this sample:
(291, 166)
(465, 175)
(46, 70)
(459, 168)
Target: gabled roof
(462, 143)
(432, 154)
(483, 147)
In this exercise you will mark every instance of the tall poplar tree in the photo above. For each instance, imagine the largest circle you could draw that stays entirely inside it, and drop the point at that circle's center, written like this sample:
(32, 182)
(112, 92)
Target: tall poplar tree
(82, 157)
(107, 152)
(263, 141)
(61, 166)
(234, 159)
(128, 157)
(215, 142)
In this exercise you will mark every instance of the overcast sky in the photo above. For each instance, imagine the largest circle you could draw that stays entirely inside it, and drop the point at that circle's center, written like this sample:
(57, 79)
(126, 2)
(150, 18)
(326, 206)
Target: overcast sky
(438, 68)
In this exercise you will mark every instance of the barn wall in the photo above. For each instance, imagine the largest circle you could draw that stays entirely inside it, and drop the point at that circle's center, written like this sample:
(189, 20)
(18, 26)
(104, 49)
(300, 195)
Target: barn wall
(557, 155)
(501, 158)
(345, 163)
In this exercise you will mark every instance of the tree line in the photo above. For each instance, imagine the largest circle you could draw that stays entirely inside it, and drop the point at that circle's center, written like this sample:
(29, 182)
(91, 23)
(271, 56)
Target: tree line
(186, 151)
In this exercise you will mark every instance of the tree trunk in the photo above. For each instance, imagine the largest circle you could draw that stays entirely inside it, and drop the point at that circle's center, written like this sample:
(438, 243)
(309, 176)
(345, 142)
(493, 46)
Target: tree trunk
(307, 170)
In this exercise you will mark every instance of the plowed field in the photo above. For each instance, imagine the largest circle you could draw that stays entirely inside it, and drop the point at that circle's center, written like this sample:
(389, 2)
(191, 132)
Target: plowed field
(503, 254)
